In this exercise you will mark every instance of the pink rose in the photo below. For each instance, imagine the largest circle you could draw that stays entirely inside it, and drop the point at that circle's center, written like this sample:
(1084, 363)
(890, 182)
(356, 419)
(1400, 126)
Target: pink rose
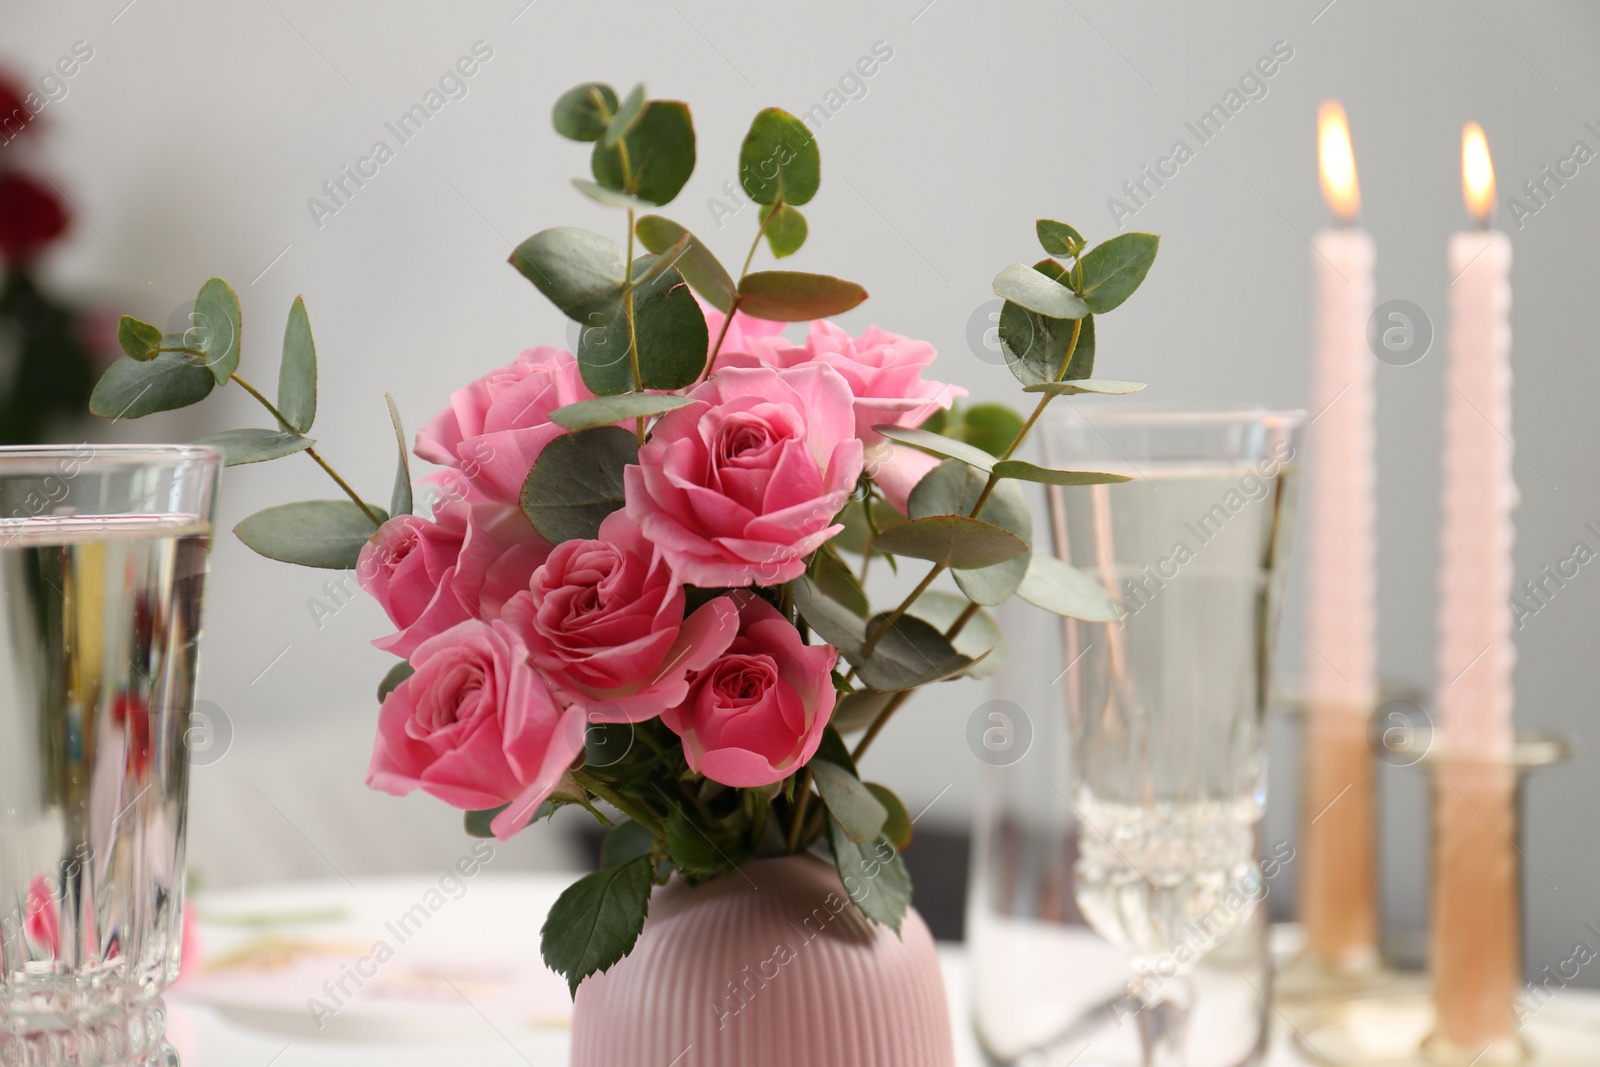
(757, 714)
(476, 727)
(748, 338)
(603, 620)
(740, 485)
(496, 427)
(465, 564)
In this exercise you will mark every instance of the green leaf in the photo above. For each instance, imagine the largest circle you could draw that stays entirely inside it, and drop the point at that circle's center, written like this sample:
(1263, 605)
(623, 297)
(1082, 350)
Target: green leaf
(692, 851)
(609, 197)
(874, 876)
(953, 540)
(697, 265)
(139, 340)
(834, 622)
(660, 154)
(1114, 269)
(626, 117)
(779, 159)
(857, 711)
(953, 489)
(255, 446)
(834, 750)
(1085, 385)
(1034, 345)
(793, 296)
(939, 445)
(297, 373)
(851, 803)
(580, 112)
(910, 653)
(477, 822)
(1028, 472)
(577, 481)
(607, 410)
(1058, 238)
(218, 321)
(898, 827)
(1058, 587)
(980, 637)
(626, 842)
(672, 338)
(132, 388)
(835, 579)
(400, 499)
(1025, 286)
(596, 921)
(578, 271)
(397, 674)
(785, 228)
(991, 427)
(857, 532)
(312, 533)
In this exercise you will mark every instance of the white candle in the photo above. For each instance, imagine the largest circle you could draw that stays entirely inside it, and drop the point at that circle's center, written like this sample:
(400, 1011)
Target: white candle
(1339, 901)
(1475, 581)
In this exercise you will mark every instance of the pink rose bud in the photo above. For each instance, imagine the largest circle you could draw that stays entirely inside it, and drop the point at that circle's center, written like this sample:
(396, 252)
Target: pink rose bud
(757, 714)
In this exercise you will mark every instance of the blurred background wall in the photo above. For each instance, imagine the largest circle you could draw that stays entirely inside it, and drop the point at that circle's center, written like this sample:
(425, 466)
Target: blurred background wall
(192, 140)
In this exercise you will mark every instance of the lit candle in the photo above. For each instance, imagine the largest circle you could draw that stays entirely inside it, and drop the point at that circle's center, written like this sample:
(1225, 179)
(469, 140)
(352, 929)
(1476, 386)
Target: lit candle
(1339, 895)
(1477, 952)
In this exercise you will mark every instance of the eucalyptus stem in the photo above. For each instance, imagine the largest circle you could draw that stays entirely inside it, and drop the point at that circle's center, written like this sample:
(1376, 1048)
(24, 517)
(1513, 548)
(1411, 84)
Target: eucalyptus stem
(733, 309)
(627, 310)
(905, 605)
(312, 452)
(961, 621)
(800, 806)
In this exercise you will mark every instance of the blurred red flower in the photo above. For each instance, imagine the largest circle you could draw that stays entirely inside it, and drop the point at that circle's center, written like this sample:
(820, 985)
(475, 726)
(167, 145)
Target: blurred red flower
(31, 215)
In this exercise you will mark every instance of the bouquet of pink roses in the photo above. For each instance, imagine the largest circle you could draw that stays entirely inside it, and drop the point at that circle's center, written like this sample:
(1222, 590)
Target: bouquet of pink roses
(638, 587)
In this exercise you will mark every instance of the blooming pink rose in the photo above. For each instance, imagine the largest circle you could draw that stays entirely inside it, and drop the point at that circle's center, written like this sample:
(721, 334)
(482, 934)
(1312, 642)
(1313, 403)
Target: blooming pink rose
(496, 427)
(748, 341)
(757, 714)
(884, 371)
(740, 485)
(603, 620)
(476, 727)
(465, 564)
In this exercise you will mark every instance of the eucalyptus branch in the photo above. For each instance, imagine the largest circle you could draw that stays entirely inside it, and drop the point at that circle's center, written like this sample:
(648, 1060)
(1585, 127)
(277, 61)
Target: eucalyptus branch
(799, 820)
(627, 310)
(312, 452)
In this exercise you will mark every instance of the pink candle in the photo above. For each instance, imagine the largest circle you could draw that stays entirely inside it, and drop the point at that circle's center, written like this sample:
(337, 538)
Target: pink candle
(1475, 580)
(1339, 902)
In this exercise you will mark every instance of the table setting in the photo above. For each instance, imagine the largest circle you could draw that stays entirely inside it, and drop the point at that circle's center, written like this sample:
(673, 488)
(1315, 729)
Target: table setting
(678, 578)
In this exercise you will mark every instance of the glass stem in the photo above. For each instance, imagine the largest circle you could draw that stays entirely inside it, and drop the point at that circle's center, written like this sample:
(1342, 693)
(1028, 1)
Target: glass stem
(1164, 1020)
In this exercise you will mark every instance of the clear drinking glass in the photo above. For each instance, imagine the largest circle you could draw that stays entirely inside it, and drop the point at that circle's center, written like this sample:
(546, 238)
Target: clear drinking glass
(1114, 916)
(102, 559)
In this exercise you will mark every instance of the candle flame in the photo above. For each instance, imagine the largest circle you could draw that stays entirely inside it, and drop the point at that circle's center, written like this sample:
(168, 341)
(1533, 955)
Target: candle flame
(1337, 162)
(1477, 172)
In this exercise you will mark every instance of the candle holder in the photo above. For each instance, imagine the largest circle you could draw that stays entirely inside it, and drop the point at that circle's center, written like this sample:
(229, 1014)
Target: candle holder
(1339, 931)
(1476, 1013)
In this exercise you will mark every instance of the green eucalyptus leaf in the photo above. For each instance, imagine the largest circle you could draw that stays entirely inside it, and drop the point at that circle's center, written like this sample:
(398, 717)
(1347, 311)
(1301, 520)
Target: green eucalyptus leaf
(910, 653)
(1058, 587)
(311, 533)
(697, 265)
(139, 340)
(396, 674)
(477, 822)
(626, 842)
(609, 197)
(779, 159)
(254, 445)
(794, 296)
(400, 501)
(597, 920)
(851, 803)
(954, 488)
(952, 540)
(833, 622)
(835, 579)
(1058, 238)
(134, 388)
(1028, 472)
(218, 321)
(577, 481)
(979, 637)
(1035, 345)
(939, 445)
(1113, 270)
(874, 876)
(661, 154)
(1085, 385)
(898, 826)
(578, 271)
(626, 117)
(608, 410)
(297, 372)
(856, 711)
(580, 113)
(991, 427)
(1023, 285)
(785, 228)
(671, 331)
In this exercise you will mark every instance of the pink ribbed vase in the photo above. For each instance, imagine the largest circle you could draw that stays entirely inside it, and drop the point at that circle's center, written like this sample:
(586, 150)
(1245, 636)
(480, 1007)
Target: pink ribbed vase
(769, 966)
